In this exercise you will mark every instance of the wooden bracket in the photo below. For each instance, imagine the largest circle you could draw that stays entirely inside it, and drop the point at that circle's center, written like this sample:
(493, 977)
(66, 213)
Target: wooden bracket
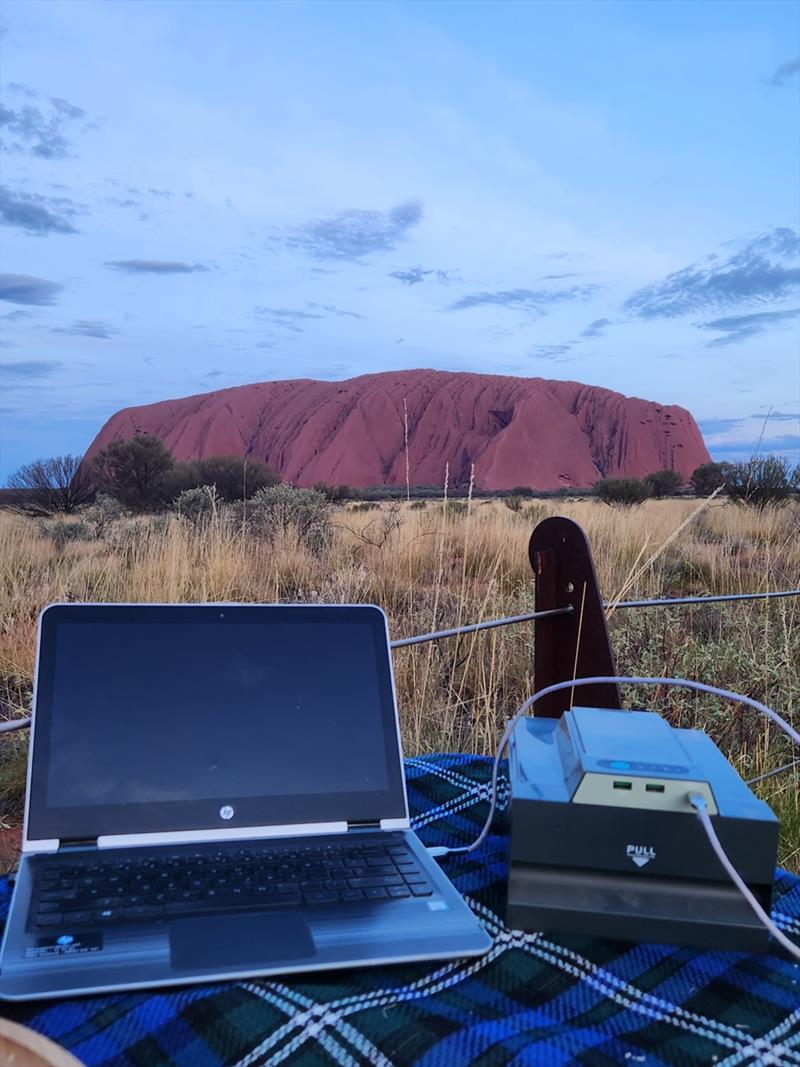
(575, 645)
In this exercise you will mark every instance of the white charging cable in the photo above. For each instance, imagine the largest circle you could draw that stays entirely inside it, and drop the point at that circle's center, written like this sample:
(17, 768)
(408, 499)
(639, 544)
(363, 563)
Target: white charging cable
(685, 683)
(698, 802)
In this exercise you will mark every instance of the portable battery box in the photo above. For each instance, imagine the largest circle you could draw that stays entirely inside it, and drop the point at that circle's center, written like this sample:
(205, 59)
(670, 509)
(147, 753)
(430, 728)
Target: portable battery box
(604, 841)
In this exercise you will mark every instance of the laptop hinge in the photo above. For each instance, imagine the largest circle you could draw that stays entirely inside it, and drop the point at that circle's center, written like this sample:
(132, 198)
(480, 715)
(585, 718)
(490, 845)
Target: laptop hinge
(77, 843)
(366, 824)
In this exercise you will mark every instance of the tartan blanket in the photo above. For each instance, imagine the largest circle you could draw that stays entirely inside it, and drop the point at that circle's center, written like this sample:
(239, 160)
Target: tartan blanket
(532, 1000)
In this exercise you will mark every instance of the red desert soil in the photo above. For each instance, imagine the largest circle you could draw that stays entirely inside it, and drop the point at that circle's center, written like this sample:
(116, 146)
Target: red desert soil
(10, 847)
(516, 431)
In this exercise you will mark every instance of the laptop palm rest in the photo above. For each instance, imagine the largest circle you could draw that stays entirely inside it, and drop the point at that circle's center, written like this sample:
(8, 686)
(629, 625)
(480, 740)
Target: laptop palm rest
(234, 941)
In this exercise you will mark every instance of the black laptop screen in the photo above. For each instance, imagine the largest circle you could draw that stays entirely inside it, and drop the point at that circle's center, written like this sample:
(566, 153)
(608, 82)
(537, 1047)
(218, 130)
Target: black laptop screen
(194, 717)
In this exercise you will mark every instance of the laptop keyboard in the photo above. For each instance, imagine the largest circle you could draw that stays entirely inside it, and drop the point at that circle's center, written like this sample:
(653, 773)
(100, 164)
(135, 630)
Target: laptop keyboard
(163, 884)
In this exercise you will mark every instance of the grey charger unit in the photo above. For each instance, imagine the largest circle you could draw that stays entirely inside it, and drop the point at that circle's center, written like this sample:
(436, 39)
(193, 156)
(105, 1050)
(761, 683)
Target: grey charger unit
(604, 841)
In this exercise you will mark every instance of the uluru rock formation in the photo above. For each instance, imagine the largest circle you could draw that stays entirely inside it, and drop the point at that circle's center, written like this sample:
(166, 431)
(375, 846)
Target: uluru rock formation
(516, 431)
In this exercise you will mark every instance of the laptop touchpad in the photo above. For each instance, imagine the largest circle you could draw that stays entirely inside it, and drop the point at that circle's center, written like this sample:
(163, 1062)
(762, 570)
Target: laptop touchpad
(250, 940)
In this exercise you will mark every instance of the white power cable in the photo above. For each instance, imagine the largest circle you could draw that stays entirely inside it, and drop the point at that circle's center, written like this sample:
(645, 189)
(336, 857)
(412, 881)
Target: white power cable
(685, 683)
(698, 802)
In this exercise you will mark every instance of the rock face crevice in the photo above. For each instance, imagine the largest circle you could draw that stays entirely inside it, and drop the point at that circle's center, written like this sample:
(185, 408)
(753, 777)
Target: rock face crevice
(516, 431)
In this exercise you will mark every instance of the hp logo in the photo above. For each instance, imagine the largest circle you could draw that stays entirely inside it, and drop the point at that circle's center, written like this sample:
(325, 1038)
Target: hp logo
(226, 812)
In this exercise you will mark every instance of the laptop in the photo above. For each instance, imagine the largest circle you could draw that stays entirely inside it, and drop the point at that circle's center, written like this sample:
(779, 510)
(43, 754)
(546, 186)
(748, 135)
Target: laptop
(216, 791)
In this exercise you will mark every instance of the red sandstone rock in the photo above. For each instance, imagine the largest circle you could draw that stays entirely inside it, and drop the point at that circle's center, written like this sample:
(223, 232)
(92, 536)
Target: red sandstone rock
(516, 431)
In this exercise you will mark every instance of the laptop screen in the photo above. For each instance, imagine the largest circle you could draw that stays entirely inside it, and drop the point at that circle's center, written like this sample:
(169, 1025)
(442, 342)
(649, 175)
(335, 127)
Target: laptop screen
(175, 717)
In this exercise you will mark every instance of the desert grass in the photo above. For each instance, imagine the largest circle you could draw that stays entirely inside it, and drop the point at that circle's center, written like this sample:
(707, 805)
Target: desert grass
(433, 567)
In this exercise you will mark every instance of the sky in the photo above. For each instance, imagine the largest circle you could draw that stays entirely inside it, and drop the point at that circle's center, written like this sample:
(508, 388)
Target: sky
(197, 195)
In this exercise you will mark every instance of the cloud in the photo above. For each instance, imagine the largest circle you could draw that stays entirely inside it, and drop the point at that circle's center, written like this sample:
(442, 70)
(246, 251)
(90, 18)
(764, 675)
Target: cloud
(87, 328)
(29, 371)
(155, 266)
(763, 446)
(738, 328)
(412, 276)
(714, 426)
(778, 416)
(13, 316)
(415, 275)
(40, 133)
(787, 70)
(289, 318)
(764, 269)
(553, 353)
(119, 202)
(533, 302)
(355, 233)
(332, 310)
(286, 318)
(161, 192)
(27, 289)
(35, 214)
(557, 277)
(596, 329)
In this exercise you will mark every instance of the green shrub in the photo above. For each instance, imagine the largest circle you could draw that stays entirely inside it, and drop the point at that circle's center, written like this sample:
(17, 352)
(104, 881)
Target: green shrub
(418, 505)
(364, 505)
(62, 532)
(282, 507)
(708, 477)
(622, 492)
(454, 509)
(663, 483)
(198, 506)
(103, 513)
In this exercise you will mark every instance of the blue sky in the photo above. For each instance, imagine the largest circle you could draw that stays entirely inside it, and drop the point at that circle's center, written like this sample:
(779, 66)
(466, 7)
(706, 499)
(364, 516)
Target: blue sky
(198, 195)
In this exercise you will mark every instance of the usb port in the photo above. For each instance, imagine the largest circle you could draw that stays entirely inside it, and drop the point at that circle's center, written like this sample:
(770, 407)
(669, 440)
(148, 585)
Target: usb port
(623, 785)
(651, 787)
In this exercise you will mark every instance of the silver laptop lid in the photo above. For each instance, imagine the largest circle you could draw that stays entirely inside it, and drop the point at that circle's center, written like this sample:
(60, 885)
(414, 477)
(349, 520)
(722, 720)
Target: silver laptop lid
(191, 721)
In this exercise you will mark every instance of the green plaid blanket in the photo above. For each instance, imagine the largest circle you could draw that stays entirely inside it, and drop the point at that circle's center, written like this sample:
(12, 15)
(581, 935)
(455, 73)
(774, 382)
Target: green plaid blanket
(532, 1000)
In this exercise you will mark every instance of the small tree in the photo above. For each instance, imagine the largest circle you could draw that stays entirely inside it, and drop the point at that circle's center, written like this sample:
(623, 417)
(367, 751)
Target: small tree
(52, 485)
(134, 472)
(708, 477)
(663, 483)
(763, 481)
(622, 492)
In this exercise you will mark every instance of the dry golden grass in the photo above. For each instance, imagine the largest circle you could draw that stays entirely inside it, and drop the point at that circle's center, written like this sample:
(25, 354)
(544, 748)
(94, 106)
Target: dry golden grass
(436, 570)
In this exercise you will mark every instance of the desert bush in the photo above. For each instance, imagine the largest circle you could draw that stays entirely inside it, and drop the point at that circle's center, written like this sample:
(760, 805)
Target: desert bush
(103, 513)
(454, 509)
(364, 505)
(198, 506)
(622, 492)
(48, 486)
(418, 505)
(281, 507)
(233, 477)
(62, 532)
(762, 482)
(663, 483)
(708, 477)
(334, 494)
(513, 503)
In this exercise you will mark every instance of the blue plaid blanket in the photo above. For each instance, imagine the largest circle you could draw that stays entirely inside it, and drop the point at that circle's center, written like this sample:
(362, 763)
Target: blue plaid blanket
(532, 1000)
